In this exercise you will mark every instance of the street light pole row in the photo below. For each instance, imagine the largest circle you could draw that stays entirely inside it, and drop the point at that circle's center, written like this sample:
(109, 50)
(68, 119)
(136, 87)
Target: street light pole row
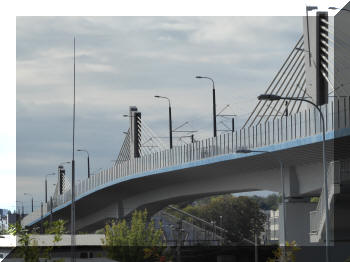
(214, 112)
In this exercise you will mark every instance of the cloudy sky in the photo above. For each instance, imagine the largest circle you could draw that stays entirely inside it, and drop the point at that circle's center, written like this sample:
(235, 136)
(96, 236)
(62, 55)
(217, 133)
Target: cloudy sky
(124, 61)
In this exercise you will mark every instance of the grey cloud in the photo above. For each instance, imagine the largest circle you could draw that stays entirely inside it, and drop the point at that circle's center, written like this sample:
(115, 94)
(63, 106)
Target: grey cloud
(124, 61)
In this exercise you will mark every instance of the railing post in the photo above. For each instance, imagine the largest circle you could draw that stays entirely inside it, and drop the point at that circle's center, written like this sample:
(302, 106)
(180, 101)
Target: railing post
(240, 138)
(273, 131)
(315, 121)
(260, 135)
(244, 137)
(232, 141)
(236, 134)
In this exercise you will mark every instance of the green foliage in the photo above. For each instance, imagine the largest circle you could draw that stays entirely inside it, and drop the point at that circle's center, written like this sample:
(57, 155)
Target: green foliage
(56, 228)
(269, 202)
(314, 199)
(28, 248)
(129, 242)
(291, 249)
(241, 216)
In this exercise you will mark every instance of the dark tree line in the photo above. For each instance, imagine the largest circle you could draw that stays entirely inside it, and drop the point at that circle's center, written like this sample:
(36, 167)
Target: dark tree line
(241, 216)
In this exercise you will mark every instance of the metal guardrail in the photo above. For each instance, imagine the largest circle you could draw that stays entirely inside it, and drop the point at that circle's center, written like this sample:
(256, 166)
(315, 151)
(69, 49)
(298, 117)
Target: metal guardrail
(285, 129)
(190, 233)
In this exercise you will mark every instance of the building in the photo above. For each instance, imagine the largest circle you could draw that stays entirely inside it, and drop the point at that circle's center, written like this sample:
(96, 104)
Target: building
(271, 233)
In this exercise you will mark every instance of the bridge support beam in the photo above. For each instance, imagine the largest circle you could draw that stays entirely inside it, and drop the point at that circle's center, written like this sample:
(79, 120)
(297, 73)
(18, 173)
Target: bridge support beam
(291, 181)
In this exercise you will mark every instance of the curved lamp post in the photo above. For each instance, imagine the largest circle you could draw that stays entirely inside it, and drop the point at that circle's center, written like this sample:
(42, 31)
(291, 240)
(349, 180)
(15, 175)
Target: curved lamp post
(272, 97)
(336, 8)
(214, 102)
(170, 121)
(88, 159)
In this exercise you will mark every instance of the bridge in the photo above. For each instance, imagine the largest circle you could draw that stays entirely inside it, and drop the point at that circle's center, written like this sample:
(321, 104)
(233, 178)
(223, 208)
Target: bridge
(317, 69)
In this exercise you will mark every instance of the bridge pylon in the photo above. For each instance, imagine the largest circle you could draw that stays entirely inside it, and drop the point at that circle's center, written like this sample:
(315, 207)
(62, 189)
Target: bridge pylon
(135, 132)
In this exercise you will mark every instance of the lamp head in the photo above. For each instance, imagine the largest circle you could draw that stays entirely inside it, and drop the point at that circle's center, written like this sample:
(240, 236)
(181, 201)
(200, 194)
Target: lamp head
(332, 8)
(243, 151)
(310, 8)
(157, 96)
(199, 77)
(269, 97)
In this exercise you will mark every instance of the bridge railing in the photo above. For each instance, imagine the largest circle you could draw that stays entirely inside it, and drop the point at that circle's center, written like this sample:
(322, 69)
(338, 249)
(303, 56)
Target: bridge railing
(285, 129)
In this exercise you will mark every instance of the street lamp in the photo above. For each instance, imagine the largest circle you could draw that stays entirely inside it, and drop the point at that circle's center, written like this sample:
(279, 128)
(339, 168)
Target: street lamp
(247, 151)
(214, 102)
(170, 121)
(27, 194)
(336, 8)
(272, 97)
(46, 185)
(88, 159)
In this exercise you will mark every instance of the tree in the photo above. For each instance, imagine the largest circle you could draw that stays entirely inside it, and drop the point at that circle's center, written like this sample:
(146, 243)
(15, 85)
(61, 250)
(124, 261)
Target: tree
(29, 249)
(241, 216)
(269, 202)
(129, 242)
(291, 250)
(56, 228)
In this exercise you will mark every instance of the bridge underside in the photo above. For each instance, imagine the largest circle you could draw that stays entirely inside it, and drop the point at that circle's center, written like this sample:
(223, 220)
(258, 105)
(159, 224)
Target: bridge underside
(256, 171)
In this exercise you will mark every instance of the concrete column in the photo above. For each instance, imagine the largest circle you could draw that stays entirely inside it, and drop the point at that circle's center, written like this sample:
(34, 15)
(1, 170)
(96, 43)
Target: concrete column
(297, 222)
(291, 182)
